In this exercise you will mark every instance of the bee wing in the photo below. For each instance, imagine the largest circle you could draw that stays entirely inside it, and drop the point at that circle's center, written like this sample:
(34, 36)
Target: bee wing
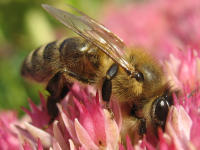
(94, 32)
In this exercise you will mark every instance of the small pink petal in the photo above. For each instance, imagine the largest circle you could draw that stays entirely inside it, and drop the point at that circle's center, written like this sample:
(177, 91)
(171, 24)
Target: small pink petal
(84, 137)
(71, 144)
(68, 124)
(163, 145)
(24, 135)
(117, 112)
(138, 147)
(121, 147)
(46, 139)
(39, 116)
(59, 136)
(147, 145)
(40, 145)
(128, 143)
(181, 121)
(8, 117)
(178, 126)
(33, 107)
(85, 119)
(56, 146)
(186, 122)
(112, 130)
(98, 119)
(26, 146)
(43, 101)
(175, 139)
(82, 148)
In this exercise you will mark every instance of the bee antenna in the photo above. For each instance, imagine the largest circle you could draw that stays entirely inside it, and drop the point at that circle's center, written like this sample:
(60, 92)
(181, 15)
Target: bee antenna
(136, 74)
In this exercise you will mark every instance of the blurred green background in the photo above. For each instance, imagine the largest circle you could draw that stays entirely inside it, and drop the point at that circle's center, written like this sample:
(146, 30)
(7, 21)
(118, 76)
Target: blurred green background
(24, 26)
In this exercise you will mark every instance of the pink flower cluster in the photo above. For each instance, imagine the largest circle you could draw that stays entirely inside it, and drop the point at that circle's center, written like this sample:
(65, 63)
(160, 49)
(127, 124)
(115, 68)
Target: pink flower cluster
(183, 68)
(158, 25)
(8, 137)
(82, 124)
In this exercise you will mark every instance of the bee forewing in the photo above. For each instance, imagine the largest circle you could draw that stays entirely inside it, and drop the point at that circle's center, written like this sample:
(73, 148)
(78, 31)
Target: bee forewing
(94, 32)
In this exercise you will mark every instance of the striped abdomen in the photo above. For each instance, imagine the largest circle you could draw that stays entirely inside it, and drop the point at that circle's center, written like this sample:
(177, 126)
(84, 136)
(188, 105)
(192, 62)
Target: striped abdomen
(74, 55)
(40, 64)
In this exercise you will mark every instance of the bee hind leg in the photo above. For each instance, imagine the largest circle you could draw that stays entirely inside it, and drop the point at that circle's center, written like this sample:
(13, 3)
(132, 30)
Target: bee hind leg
(142, 127)
(58, 87)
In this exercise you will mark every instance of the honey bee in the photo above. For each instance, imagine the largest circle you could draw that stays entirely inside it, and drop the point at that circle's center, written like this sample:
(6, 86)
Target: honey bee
(100, 58)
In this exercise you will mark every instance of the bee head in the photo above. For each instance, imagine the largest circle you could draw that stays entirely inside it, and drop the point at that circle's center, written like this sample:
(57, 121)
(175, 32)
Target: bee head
(148, 73)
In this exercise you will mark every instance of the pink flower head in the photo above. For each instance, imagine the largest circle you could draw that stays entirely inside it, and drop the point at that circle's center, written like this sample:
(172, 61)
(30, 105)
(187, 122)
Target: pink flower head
(39, 115)
(183, 68)
(159, 26)
(136, 25)
(8, 137)
(183, 17)
(89, 126)
(83, 124)
(178, 128)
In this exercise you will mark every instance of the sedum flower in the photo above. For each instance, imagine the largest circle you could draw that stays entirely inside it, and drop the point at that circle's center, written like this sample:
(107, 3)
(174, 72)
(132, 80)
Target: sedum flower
(39, 115)
(8, 137)
(182, 126)
(89, 125)
(183, 68)
(83, 124)
(159, 26)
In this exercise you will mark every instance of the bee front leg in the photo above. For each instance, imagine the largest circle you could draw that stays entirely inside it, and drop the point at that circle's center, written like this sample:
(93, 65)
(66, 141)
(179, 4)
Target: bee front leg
(142, 127)
(58, 88)
(107, 84)
(135, 112)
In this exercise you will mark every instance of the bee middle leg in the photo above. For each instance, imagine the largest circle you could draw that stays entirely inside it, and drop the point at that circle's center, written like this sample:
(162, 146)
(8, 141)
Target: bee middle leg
(58, 87)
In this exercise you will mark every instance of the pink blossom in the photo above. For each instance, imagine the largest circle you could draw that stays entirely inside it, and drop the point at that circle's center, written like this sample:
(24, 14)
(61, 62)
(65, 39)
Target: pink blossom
(39, 115)
(183, 17)
(159, 26)
(89, 123)
(83, 124)
(178, 128)
(182, 69)
(8, 137)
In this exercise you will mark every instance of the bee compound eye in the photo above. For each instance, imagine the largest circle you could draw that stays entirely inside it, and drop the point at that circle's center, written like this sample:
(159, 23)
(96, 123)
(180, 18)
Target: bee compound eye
(139, 76)
(160, 111)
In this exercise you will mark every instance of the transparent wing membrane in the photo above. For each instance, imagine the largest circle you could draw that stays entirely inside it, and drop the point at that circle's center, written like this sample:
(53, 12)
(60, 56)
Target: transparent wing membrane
(94, 32)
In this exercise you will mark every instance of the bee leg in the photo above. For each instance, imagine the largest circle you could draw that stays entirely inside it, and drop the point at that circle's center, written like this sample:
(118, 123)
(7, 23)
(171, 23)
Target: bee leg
(142, 127)
(58, 88)
(106, 90)
(142, 122)
(107, 84)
